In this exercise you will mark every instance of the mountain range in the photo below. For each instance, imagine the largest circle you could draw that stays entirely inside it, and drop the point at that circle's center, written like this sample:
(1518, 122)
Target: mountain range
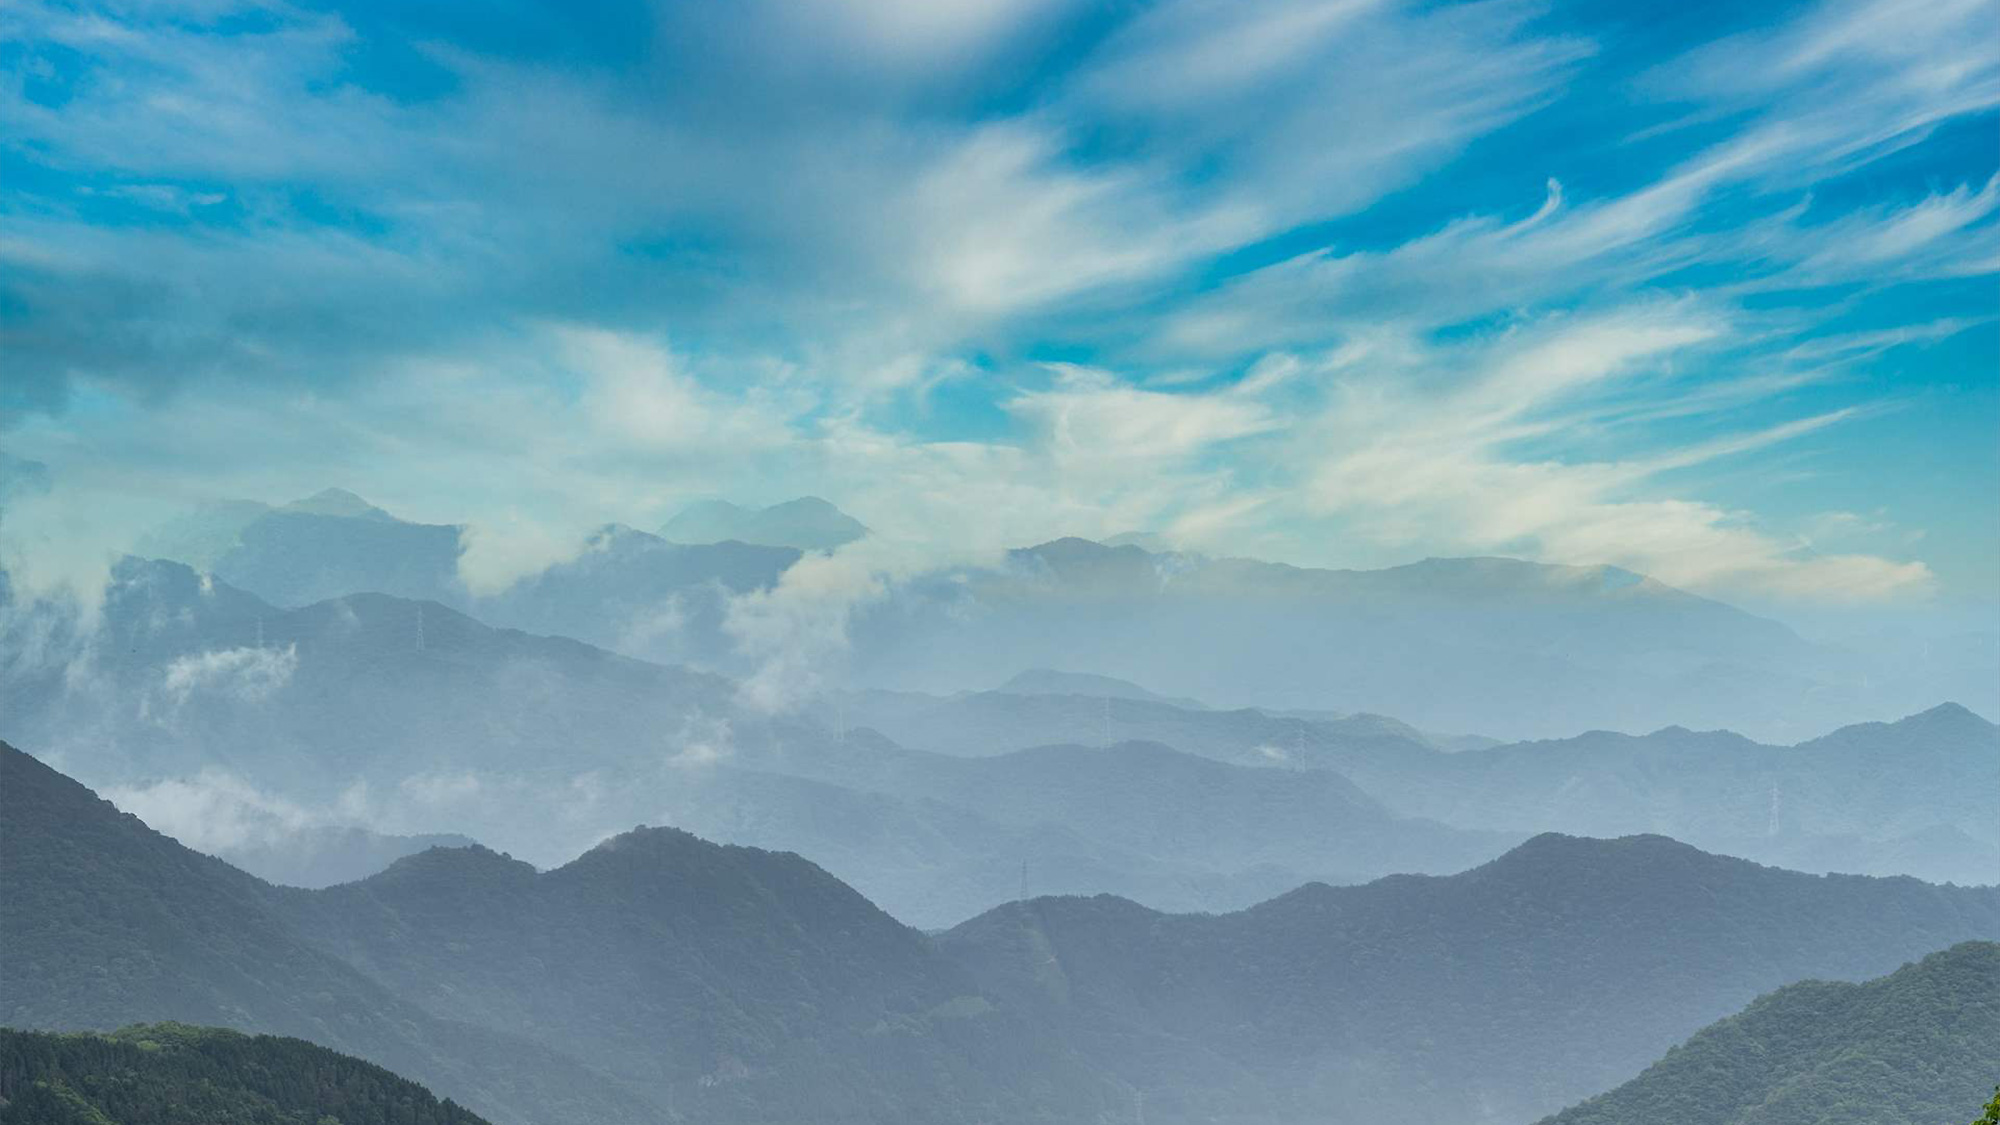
(1489, 645)
(936, 838)
(659, 976)
(1905, 797)
(249, 730)
(263, 734)
(663, 977)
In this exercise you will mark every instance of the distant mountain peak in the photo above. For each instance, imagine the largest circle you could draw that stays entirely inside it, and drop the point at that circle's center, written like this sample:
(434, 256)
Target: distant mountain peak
(455, 864)
(1076, 546)
(1050, 681)
(1949, 712)
(812, 504)
(1560, 850)
(336, 502)
(807, 523)
(646, 837)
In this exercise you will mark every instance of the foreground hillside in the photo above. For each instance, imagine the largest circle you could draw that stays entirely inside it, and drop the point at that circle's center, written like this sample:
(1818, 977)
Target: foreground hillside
(175, 1074)
(1920, 1046)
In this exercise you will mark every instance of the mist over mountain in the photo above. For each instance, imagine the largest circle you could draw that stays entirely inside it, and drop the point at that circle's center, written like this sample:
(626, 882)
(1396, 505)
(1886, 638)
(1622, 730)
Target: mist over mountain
(999, 562)
(643, 596)
(1487, 645)
(624, 589)
(245, 723)
(247, 730)
(273, 737)
(1917, 1046)
(1496, 995)
(1876, 798)
(1492, 646)
(325, 855)
(335, 543)
(937, 838)
(196, 671)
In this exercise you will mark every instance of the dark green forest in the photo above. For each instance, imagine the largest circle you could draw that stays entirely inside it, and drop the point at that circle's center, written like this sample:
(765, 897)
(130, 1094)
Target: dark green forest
(178, 1074)
(1917, 1047)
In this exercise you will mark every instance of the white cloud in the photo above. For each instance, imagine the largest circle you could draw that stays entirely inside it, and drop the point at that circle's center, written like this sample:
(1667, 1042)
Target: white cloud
(862, 244)
(245, 675)
(796, 632)
(214, 811)
(1444, 471)
(1091, 415)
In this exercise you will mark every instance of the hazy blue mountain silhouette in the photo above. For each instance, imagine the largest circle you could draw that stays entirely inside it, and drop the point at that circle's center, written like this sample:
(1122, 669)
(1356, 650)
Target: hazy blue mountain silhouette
(807, 523)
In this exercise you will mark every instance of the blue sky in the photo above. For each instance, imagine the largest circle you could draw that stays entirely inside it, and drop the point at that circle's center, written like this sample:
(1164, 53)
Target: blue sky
(1706, 290)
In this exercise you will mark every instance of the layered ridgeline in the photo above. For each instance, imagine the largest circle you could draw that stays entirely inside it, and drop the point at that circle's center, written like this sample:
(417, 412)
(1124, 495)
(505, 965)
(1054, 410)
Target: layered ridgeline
(106, 923)
(1497, 646)
(729, 985)
(263, 735)
(252, 729)
(937, 838)
(1920, 1046)
(175, 1074)
(1497, 995)
(1907, 797)
(659, 978)
(249, 731)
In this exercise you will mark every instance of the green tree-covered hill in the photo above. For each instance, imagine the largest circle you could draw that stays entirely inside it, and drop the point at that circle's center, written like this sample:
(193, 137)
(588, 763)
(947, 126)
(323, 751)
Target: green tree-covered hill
(1920, 1046)
(177, 1074)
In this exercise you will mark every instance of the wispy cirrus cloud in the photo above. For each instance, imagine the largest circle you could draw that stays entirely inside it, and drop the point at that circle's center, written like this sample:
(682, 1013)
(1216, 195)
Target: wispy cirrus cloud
(1324, 279)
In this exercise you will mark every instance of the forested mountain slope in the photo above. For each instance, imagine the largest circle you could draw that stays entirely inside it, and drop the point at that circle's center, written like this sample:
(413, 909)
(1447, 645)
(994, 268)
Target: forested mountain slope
(177, 1074)
(1920, 1046)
